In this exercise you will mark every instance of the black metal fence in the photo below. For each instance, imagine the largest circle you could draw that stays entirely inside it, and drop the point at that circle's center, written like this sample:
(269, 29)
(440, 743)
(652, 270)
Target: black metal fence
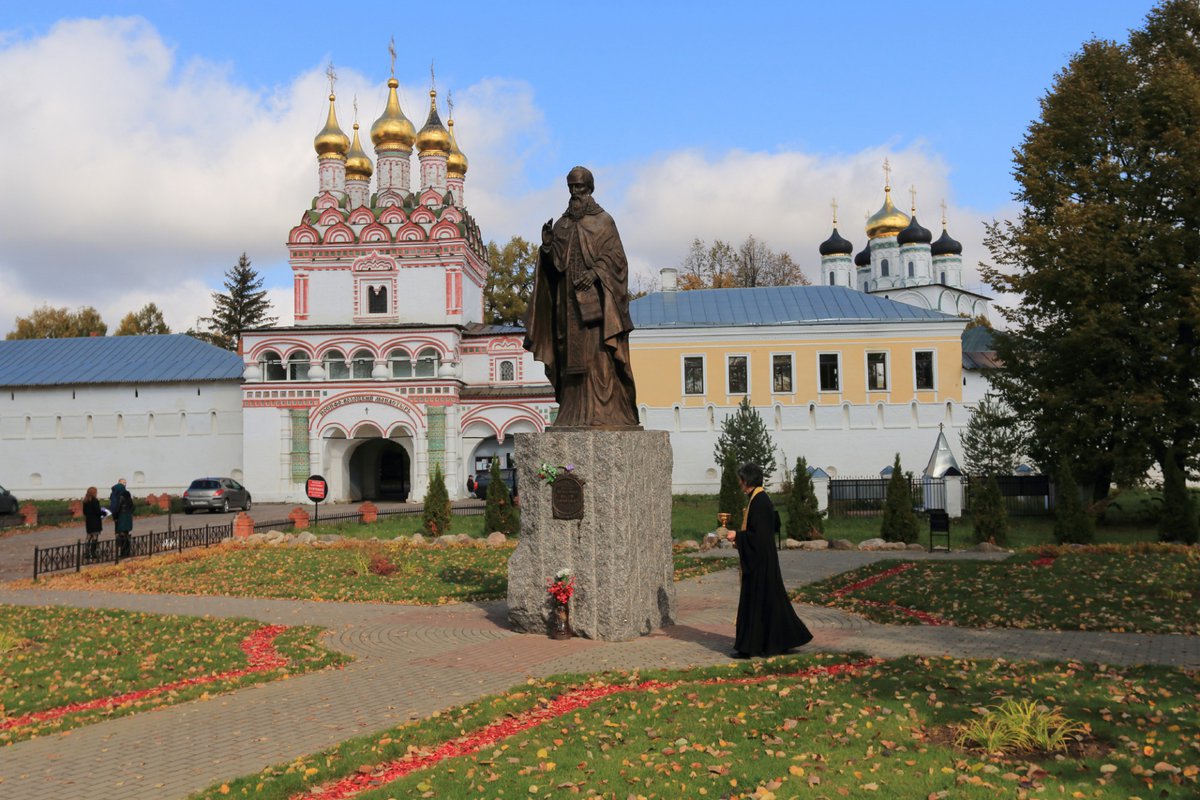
(75, 556)
(866, 497)
(1024, 495)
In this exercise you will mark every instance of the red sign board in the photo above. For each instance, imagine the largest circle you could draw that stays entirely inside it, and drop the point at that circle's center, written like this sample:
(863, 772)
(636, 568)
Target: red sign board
(316, 488)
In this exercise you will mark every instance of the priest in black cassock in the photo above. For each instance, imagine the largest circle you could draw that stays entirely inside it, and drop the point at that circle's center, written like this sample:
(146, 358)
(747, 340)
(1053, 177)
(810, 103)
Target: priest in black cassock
(767, 624)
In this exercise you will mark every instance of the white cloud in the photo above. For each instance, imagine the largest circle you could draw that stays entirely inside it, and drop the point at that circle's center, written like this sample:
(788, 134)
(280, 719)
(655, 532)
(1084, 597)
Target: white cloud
(132, 177)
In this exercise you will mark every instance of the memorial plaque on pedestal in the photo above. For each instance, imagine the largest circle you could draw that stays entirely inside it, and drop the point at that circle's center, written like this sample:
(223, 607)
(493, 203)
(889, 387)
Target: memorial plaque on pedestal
(566, 498)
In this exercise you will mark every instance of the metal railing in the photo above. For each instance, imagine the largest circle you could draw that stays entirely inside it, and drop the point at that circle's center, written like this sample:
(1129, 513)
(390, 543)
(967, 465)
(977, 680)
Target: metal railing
(866, 497)
(75, 556)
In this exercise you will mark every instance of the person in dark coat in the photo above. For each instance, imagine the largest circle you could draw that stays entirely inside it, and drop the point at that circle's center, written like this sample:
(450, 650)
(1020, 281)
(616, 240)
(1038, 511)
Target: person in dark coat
(115, 496)
(767, 624)
(93, 515)
(124, 523)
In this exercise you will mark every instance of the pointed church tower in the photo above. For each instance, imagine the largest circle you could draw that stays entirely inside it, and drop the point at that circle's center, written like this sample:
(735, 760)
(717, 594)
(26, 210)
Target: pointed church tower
(836, 265)
(331, 145)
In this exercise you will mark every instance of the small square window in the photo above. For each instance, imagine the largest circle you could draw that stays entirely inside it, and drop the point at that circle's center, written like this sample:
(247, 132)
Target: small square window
(737, 374)
(693, 375)
(877, 372)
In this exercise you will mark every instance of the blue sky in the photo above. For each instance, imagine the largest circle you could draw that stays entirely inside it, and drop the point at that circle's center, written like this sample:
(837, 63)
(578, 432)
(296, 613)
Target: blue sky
(701, 119)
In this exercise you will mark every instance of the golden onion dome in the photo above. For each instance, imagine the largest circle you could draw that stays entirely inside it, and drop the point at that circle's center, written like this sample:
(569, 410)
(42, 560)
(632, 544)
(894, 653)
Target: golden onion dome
(887, 221)
(456, 162)
(358, 165)
(433, 138)
(393, 130)
(331, 142)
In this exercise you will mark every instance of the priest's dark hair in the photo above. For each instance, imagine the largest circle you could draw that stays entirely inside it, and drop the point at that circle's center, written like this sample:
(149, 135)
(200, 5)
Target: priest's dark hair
(751, 474)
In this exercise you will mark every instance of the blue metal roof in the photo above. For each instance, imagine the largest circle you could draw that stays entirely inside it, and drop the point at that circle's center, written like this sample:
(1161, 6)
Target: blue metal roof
(166, 358)
(770, 305)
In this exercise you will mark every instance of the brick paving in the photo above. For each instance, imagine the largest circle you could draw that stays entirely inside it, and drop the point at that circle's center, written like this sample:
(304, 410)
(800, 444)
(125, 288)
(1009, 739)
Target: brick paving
(413, 661)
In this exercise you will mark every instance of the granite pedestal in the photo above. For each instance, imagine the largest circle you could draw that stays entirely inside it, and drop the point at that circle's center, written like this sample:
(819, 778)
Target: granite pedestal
(620, 547)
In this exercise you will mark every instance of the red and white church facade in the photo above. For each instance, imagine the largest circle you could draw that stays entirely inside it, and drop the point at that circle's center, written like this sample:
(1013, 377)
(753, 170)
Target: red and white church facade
(389, 368)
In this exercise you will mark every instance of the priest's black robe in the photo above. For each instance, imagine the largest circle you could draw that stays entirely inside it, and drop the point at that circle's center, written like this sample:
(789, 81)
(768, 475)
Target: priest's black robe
(766, 622)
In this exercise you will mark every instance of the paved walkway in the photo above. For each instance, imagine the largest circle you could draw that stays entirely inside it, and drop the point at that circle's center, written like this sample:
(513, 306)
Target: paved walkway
(412, 661)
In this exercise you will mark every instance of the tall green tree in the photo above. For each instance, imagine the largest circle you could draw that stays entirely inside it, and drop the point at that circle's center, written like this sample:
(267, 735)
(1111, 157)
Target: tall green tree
(436, 517)
(804, 519)
(242, 305)
(995, 440)
(1101, 353)
(743, 438)
(989, 517)
(509, 281)
(145, 321)
(499, 513)
(899, 521)
(49, 322)
(1178, 522)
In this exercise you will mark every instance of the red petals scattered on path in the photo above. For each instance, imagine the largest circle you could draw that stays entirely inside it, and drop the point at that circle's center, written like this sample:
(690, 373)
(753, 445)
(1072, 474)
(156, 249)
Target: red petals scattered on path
(259, 648)
(923, 616)
(565, 703)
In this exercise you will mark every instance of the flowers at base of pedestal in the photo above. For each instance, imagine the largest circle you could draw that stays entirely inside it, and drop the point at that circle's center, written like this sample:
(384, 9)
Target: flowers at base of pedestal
(548, 473)
(561, 586)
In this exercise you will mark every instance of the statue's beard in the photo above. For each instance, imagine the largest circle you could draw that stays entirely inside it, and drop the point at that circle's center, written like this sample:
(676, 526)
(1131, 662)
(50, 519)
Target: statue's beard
(576, 206)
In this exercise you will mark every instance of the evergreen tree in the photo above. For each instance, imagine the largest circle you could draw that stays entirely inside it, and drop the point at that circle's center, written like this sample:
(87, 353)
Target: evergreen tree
(242, 305)
(499, 514)
(744, 438)
(47, 322)
(1178, 522)
(804, 515)
(1072, 525)
(509, 281)
(733, 499)
(899, 521)
(436, 517)
(995, 440)
(146, 321)
(988, 514)
(1100, 351)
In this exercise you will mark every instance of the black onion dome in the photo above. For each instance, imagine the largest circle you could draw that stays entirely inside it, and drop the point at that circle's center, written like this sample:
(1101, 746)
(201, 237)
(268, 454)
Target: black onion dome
(835, 245)
(945, 246)
(914, 233)
(863, 259)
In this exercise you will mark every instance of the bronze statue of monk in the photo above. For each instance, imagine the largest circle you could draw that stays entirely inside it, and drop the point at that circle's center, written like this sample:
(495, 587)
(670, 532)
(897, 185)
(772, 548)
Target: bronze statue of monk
(578, 322)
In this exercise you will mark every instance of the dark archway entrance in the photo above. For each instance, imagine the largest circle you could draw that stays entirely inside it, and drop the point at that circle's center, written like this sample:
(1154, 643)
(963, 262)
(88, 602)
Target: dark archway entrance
(380, 469)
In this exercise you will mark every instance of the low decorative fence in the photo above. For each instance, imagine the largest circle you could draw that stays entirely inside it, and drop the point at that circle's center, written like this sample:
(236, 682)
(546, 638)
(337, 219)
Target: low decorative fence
(866, 497)
(1024, 495)
(61, 558)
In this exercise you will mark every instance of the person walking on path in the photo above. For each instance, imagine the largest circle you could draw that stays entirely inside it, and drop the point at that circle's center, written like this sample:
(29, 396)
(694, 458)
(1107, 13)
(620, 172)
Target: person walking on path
(767, 624)
(123, 514)
(93, 516)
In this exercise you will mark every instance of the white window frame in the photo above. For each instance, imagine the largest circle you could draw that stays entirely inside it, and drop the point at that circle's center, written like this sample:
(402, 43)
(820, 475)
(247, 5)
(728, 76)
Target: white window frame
(933, 354)
(840, 371)
(703, 375)
(791, 370)
(729, 389)
(887, 369)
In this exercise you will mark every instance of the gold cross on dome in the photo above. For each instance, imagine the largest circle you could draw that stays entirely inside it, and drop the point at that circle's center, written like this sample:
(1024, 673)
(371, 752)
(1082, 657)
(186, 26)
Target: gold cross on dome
(392, 54)
(356, 109)
(833, 205)
(432, 77)
(332, 75)
(943, 212)
(887, 174)
(912, 192)
(450, 104)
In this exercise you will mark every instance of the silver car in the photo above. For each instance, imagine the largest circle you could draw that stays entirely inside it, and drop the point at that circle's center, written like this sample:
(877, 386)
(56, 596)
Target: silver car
(215, 494)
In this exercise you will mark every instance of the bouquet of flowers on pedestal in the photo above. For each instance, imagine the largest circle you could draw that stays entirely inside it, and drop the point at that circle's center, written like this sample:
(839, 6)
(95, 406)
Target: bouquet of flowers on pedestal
(561, 586)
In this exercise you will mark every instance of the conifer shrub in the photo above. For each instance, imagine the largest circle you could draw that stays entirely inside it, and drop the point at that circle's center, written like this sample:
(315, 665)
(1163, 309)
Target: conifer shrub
(733, 500)
(1178, 522)
(436, 518)
(1072, 525)
(804, 515)
(988, 513)
(899, 521)
(499, 514)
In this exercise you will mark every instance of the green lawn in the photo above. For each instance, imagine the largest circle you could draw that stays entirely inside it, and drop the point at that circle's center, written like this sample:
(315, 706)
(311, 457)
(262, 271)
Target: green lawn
(884, 732)
(352, 571)
(53, 657)
(1146, 588)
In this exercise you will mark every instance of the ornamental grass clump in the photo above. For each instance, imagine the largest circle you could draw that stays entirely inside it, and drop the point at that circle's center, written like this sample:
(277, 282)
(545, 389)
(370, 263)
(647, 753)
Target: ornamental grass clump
(1019, 726)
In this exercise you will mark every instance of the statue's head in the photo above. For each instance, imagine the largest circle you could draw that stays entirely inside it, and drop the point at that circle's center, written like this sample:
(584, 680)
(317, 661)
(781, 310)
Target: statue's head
(581, 177)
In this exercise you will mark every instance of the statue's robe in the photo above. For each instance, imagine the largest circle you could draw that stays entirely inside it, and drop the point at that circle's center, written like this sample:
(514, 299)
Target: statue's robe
(582, 336)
